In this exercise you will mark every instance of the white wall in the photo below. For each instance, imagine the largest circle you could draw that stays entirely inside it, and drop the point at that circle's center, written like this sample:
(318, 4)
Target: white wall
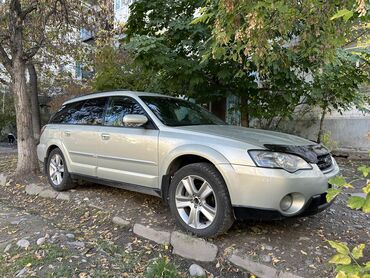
(122, 10)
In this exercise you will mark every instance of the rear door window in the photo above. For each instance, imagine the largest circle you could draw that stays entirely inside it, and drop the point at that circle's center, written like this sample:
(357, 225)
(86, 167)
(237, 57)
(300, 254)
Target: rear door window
(91, 112)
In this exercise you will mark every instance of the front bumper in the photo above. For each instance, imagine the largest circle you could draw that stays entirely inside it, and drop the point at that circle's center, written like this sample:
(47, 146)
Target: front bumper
(262, 190)
(315, 205)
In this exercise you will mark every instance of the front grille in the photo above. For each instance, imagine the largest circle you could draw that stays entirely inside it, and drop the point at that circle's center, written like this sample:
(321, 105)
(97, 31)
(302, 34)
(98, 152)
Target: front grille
(324, 161)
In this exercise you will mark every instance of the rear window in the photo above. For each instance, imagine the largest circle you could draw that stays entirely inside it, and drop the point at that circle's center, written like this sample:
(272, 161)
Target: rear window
(67, 113)
(87, 112)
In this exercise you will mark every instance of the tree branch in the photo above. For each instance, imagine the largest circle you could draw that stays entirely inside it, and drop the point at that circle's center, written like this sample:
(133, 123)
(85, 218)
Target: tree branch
(33, 50)
(353, 40)
(28, 10)
(6, 61)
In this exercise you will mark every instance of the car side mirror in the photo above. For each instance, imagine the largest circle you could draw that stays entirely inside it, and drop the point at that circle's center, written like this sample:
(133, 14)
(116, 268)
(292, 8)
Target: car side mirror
(134, 120)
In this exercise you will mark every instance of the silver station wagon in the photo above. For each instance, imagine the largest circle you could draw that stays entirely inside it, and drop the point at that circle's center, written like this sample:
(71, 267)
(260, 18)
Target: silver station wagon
(208, 172)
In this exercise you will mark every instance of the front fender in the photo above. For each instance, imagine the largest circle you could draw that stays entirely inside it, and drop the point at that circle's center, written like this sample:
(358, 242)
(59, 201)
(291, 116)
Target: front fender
(192, 149)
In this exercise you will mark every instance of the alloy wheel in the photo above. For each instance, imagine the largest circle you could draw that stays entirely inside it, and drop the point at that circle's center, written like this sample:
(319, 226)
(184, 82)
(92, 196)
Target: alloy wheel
(196, 202)
(56, 169)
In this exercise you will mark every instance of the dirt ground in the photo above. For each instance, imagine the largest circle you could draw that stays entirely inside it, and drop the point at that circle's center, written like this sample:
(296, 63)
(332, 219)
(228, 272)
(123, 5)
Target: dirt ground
(296, 245)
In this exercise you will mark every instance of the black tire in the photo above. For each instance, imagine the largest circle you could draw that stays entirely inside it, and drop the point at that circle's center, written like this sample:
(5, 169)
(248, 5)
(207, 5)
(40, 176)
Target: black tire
(67, 182)
(224, 216)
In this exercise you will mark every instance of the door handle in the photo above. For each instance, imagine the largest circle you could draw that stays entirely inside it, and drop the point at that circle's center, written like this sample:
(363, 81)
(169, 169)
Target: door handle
(67, 133)
(105, 136)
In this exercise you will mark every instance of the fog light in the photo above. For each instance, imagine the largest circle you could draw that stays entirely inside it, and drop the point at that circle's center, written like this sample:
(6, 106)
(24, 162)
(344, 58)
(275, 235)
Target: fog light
(286, 202)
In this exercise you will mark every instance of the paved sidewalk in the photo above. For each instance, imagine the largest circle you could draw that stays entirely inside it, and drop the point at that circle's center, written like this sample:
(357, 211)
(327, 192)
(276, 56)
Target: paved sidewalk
(5, 149)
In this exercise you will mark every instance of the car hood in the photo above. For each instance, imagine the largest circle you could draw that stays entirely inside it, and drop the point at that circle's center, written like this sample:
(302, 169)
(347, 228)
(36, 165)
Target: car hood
(253, 136)
(259, 138)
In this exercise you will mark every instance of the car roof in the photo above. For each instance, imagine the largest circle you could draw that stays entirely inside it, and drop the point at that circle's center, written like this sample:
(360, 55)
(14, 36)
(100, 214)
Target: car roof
(112, 93)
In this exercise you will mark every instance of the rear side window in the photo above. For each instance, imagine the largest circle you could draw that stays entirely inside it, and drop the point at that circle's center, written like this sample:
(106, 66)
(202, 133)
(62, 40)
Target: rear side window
(89, 112)
(92, 112)
(67, 113)
(119, 107)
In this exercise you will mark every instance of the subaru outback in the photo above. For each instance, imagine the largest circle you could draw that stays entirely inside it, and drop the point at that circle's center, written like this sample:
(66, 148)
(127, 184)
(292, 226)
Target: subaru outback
(208, 172)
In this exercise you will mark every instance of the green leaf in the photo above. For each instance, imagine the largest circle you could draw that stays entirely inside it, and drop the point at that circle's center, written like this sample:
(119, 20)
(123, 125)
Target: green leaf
(366, 206)
(357, 251)
(203, 18)
(332, 193)
(349, 269)
(366, 189)
(341, 274)
(356, 202)
(338, 181)
(340, 259)
(346, 14)
(364, 170)
(341, 247)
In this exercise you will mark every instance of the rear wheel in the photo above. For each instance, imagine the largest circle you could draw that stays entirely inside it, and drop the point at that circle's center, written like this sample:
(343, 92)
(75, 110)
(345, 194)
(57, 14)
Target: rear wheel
(199, 200)
(58, 175)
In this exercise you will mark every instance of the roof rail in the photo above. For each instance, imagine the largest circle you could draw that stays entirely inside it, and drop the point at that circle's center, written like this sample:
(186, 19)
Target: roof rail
(98, 92)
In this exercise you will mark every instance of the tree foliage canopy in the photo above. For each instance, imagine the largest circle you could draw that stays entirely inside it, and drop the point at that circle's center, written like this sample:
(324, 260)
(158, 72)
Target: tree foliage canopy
(274, 55)
(163, 40)
(114, 69)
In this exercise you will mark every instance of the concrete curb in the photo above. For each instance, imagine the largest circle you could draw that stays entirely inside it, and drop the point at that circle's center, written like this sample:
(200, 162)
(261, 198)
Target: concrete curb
(193, 248)
(45, 192)
(260, 270)
(160, 237)
(3, 179)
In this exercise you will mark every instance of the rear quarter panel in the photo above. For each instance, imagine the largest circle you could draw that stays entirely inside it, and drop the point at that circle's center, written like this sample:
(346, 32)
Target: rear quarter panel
(49, 138)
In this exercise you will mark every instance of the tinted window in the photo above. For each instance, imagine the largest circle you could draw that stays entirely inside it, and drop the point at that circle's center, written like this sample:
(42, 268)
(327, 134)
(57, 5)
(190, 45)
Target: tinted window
(179, 112)
(119, 107)
(91, 112)
(67, 113)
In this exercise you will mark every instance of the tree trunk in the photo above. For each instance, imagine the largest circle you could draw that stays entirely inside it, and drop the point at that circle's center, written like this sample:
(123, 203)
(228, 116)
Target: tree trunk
(27, 158)
(321, 125)
(244, 112)
(278, 122)
(35, 107)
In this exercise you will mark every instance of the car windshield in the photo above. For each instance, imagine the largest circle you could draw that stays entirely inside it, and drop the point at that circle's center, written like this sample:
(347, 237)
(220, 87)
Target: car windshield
(179, 112)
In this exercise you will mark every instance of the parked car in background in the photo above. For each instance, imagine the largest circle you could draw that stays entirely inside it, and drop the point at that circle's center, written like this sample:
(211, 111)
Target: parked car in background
(209, 173)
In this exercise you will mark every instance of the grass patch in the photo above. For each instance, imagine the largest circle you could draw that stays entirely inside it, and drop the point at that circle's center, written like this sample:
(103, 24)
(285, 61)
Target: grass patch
(32, 258)
(161, 268)
(126, 261)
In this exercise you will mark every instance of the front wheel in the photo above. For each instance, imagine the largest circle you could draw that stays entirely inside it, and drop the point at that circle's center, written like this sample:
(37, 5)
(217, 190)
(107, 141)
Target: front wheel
(200, 201)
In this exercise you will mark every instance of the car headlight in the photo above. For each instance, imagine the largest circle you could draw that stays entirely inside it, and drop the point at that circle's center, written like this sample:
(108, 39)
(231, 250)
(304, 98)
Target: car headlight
(288, 162)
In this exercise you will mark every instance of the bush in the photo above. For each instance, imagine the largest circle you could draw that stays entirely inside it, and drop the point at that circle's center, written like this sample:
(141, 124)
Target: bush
(347, 261)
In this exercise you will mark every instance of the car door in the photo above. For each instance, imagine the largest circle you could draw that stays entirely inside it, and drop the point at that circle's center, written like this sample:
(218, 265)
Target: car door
(80, 135)
(127, 154)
